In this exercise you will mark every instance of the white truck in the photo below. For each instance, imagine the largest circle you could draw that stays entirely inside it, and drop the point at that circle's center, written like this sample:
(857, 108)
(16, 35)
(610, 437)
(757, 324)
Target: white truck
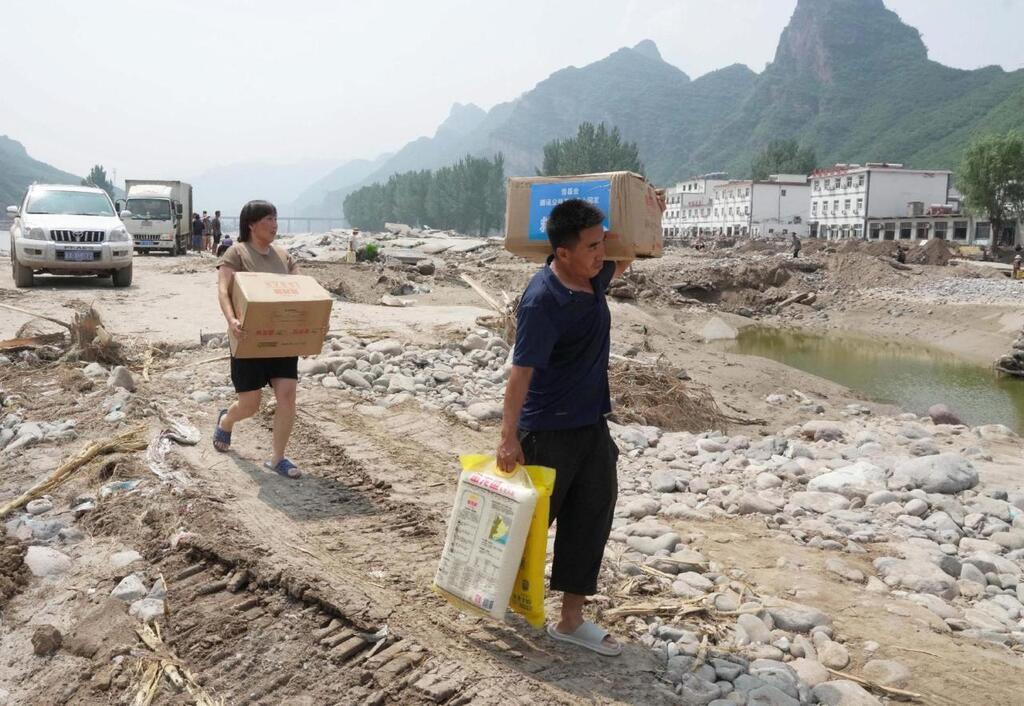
(68, 230)
(158, 214)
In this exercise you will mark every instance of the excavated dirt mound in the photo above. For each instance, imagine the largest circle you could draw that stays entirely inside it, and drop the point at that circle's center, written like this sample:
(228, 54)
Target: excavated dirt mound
(13, 572)
(934, 252)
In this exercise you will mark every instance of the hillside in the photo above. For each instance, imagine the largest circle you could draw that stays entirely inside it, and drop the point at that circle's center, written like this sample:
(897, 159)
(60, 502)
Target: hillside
(18, 170)
(319, 199)
(848, 78)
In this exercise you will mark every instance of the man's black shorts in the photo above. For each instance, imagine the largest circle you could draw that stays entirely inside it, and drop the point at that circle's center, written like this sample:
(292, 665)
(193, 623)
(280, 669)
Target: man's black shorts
(248, 374)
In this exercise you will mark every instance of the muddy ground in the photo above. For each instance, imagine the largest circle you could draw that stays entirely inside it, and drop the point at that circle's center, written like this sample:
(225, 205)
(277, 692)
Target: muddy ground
(318, 590)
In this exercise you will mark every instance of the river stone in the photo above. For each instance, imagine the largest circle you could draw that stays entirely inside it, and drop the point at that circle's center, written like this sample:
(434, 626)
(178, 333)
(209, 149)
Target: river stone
(121, 377)
(916, 507)
(941, 414)
(353, 378)
(777, 674)
(663, 481)
(810, 671)
(843, 692)
(750, 504)
(641, 508)
(698, 692)
(794, 617)
(648, 546)
(751, 629)
(483, 411)
(917, 574)
(389, 347)
(43, 561)
(1010, 540)
(840, 568)
(857, 480)
(946, 473)
(39, 506)
(130, 589)
(821, 430)
(887, 672)
(312, 366)
(819, 502)
(832, 654)
(768, 695)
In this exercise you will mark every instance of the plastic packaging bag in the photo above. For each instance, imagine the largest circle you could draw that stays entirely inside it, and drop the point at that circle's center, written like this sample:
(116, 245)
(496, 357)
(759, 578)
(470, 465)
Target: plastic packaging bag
(491, 517)
(528, 594)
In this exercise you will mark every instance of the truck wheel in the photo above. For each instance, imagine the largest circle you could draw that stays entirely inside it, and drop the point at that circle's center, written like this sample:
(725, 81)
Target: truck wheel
(122, 277)
(22, 275)
(176, 249)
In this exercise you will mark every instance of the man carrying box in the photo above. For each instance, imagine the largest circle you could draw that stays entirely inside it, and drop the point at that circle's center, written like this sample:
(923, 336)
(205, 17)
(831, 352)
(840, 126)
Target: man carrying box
(556, 401)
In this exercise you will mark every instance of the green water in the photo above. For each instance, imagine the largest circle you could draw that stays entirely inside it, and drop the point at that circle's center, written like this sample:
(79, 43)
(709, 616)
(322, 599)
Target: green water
(908, 375)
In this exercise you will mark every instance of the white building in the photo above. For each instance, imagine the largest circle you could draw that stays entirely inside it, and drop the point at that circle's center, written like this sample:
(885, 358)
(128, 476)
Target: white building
(940, 223)
(686, 199)
(844, 197)
(775, 207)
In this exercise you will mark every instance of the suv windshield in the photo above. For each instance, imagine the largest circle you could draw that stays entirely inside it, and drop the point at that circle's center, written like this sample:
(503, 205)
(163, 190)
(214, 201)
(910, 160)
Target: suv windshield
(149, 209)
(77, 203)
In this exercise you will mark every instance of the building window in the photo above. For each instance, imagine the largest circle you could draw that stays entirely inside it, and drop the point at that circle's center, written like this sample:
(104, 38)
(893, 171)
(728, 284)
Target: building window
(858, 231)
(814, 208)
(783, 192)
(982, 232)
(817, 185)
(860, 180)
(906, 230)
(846, 206)
(890, 231)
(960, 230)
(746, 210)
(876, 231)
(835, 206)
(860, 205)
(940, 230)
(849, 181)
(922, 231)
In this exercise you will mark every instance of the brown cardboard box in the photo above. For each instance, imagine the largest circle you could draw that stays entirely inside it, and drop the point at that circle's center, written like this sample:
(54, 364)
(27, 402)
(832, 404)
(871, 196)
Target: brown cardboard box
(283, 315)
(629, 202)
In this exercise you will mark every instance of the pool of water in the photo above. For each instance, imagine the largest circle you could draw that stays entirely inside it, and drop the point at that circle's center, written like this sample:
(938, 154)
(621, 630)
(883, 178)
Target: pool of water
(901, 373)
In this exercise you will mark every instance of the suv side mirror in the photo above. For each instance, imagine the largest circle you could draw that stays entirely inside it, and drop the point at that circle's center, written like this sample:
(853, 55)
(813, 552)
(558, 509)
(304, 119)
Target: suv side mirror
(118, 205)
(12, 211)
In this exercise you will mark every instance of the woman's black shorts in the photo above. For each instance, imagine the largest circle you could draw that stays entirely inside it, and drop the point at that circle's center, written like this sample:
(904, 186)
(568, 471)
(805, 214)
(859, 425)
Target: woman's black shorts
(248, 374)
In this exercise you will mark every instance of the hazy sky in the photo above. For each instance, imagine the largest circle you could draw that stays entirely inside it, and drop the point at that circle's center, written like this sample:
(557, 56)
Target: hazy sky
(167, 90)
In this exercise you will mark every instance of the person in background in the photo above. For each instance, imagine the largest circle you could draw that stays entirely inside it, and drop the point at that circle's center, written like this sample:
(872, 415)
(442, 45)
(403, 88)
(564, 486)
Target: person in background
(1016, 266)
(255, 251)
(197, 232)
(206, 232)
(215, 233)
(795, 241)
(901, 254)
(224, 245)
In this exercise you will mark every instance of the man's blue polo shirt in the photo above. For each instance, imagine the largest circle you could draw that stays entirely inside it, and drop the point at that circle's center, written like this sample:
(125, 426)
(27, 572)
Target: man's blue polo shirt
(565, 337)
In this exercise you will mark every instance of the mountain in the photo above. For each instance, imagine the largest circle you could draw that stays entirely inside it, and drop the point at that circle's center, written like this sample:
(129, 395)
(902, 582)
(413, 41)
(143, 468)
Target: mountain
(18, 171)
(227, 188)
(849, 78)
(319, 199)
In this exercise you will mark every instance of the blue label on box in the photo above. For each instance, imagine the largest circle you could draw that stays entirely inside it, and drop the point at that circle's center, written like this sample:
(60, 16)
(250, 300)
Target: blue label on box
(544, 197)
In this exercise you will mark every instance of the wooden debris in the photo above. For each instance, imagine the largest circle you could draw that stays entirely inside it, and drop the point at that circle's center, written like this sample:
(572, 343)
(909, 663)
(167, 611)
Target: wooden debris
(35, 315)
(664, 609)
(133, 440)
(25, 342)
(170, 666)
(898, 694)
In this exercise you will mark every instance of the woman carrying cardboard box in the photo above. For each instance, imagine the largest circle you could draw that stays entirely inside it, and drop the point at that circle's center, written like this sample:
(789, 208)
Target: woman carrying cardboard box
(255, 251)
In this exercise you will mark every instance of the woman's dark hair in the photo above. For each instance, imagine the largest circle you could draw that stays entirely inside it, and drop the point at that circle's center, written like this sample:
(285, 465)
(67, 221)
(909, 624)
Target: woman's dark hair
(253, 212)
(568, 219)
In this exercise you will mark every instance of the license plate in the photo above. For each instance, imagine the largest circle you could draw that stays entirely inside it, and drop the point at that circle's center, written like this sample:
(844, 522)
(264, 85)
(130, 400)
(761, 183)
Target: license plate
(146, 243)
(147, 224)
(78, 256)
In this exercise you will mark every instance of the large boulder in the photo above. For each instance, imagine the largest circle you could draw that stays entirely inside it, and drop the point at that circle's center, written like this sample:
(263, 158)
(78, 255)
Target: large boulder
(945, 473)
(941, 414)
(794, 617)
(918, 575)
(843, 692)
(819, 502)
(857, 480)
(822, 430)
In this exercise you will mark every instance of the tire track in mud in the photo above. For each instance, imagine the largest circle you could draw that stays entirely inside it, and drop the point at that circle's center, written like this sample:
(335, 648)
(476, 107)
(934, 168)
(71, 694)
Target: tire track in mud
(359, 537)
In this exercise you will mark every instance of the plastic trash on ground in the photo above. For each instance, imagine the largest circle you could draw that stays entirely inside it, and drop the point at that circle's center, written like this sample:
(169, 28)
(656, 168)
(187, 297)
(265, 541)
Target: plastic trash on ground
(490, 520)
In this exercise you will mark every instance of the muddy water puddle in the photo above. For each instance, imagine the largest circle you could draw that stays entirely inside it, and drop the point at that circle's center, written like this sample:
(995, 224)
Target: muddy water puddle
(902, 373)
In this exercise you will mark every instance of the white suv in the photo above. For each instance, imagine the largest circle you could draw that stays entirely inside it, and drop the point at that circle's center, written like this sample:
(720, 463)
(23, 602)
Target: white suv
(68, 230)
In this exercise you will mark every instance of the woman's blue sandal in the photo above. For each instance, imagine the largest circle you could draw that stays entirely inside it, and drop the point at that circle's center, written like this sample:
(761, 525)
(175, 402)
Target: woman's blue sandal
(284, 467)
(221, 438)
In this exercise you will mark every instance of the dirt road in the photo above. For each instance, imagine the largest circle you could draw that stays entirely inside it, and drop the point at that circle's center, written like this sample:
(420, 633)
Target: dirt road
(318, 590)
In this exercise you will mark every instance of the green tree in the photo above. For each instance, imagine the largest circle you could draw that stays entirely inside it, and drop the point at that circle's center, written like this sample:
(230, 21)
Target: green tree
(783, 157)
(991, 178)
(98, 178)
(468, 196)
(593, 150)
